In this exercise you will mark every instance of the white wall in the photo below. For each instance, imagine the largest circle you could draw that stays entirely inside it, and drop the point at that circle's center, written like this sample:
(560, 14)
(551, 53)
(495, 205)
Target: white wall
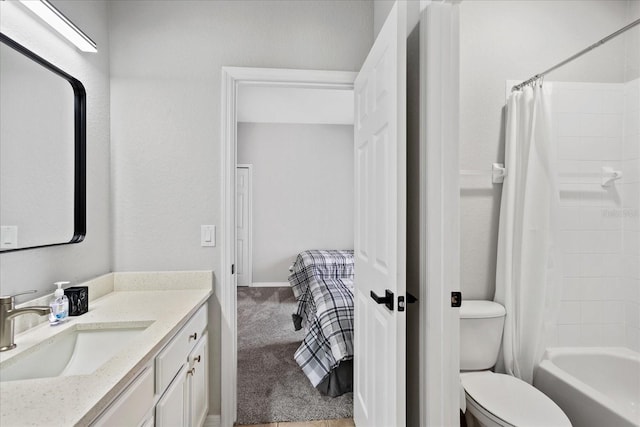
(302, 191)
(165, 92)
(276, 104)
(632, 42)
(381, 9)
(39, 268)
(166, 58)
(502, 40)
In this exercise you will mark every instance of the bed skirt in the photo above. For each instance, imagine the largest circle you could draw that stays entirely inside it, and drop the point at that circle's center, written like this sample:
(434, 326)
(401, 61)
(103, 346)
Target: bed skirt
(339, 381)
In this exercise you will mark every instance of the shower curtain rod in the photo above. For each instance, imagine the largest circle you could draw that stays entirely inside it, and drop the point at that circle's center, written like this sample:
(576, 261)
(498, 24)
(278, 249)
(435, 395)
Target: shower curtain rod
(577, 55)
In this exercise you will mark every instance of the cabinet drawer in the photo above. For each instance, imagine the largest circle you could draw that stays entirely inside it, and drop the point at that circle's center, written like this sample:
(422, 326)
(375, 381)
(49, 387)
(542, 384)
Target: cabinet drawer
(130, 408)
(175, 354)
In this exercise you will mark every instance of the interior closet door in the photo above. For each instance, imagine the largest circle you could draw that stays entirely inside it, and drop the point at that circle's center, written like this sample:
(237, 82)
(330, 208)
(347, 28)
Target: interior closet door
(243, 225)
(380, 229)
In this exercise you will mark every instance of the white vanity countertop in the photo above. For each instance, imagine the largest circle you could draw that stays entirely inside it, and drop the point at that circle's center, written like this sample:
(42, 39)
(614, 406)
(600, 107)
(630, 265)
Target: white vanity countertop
(77, 400)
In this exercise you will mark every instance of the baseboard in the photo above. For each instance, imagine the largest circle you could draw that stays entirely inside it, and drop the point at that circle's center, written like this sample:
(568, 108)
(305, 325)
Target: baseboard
(212, 421)
(269, 284)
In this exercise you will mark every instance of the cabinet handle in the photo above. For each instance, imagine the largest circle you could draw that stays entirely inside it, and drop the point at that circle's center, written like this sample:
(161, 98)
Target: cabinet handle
(197, 359)
(194, 336)
(191, 371)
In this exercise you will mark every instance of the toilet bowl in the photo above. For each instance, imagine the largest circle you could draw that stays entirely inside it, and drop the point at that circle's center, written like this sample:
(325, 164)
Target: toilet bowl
(503, 400)
(497, 399)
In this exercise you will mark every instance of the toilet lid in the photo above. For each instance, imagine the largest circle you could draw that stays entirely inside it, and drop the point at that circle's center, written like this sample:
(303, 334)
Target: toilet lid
(512, 400)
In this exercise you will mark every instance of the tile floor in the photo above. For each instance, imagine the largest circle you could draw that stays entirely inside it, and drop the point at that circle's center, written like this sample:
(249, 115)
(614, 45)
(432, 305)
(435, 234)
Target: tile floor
(345, 422)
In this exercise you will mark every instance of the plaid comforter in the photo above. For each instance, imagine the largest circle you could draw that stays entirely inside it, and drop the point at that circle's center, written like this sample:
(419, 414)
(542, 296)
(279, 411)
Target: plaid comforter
(329, 338)
(324, 264)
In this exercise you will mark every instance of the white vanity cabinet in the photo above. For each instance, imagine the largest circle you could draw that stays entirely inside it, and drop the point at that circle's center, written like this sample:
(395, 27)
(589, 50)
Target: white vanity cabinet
(179, 396)
(182, 376)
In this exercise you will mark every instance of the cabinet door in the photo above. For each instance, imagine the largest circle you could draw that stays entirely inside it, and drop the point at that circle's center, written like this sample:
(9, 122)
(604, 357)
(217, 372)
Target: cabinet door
(199, 382)
(133, 404)
(149, 422)
(171, 408)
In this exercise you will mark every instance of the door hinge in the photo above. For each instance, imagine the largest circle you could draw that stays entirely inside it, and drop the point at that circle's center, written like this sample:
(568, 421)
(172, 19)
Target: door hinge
(456, 299)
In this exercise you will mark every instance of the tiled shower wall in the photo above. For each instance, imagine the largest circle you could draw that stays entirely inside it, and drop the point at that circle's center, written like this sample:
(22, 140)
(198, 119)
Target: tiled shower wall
(593, 127)
(631, 212)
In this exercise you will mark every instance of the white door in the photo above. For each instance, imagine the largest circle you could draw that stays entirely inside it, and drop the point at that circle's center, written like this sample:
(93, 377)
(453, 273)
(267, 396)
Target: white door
(380, 228)
(243, 225)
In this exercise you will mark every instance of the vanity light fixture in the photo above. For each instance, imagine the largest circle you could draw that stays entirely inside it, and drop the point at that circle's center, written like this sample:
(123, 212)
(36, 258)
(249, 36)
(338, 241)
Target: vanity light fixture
(52, 16)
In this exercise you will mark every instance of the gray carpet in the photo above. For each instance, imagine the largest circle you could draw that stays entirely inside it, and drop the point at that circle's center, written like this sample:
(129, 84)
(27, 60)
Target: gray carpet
(271, 385)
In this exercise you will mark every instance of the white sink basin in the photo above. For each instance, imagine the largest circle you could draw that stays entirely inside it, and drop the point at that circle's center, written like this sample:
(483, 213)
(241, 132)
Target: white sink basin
(72, 352)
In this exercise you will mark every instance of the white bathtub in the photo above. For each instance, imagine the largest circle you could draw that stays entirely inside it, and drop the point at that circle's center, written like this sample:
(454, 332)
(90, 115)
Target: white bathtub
(594, 386)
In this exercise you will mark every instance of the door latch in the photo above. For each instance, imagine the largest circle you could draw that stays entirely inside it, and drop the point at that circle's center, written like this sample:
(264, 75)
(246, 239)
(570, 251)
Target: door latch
(387, 299)
(456, 299)
(401, 302)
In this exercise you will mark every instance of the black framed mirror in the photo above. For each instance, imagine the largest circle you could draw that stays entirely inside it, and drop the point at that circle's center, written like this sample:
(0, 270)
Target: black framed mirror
(42, 152)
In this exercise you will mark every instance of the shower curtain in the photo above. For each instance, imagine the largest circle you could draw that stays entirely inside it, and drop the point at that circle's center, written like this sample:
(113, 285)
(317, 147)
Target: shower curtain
(528, 278)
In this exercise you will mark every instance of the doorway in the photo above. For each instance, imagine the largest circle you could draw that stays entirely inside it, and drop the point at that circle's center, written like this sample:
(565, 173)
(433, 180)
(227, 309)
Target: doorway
(233, 79)
(299, 142)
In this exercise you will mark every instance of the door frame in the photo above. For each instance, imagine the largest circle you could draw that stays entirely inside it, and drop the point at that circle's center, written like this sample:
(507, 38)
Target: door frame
(249, 168)
(439, 204)
(232, 78)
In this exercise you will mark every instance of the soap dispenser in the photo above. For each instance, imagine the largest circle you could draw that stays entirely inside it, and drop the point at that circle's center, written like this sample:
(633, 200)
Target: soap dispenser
(59, 305)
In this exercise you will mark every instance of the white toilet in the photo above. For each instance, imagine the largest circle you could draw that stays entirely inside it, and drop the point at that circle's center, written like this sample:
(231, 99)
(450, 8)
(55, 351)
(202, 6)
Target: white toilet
(497, 399)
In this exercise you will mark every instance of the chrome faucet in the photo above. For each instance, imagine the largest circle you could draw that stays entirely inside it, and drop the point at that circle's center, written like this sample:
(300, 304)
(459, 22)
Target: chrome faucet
(8, 312)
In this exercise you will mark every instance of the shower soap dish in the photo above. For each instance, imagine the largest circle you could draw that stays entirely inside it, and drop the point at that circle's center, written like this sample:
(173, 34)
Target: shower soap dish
(610, 176)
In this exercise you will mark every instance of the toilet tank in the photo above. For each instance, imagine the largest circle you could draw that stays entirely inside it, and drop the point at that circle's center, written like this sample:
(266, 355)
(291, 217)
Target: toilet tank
(481, 324)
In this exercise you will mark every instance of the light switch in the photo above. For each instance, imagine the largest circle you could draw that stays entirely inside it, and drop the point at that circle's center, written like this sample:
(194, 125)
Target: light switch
(207, 235)
(9, 237)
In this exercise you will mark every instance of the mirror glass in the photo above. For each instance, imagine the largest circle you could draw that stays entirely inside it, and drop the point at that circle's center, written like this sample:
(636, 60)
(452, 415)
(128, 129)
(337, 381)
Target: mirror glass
(41, 151)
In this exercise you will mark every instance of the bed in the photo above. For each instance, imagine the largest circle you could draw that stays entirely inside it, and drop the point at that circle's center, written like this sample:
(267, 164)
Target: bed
(322, 281)
(327, 264)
